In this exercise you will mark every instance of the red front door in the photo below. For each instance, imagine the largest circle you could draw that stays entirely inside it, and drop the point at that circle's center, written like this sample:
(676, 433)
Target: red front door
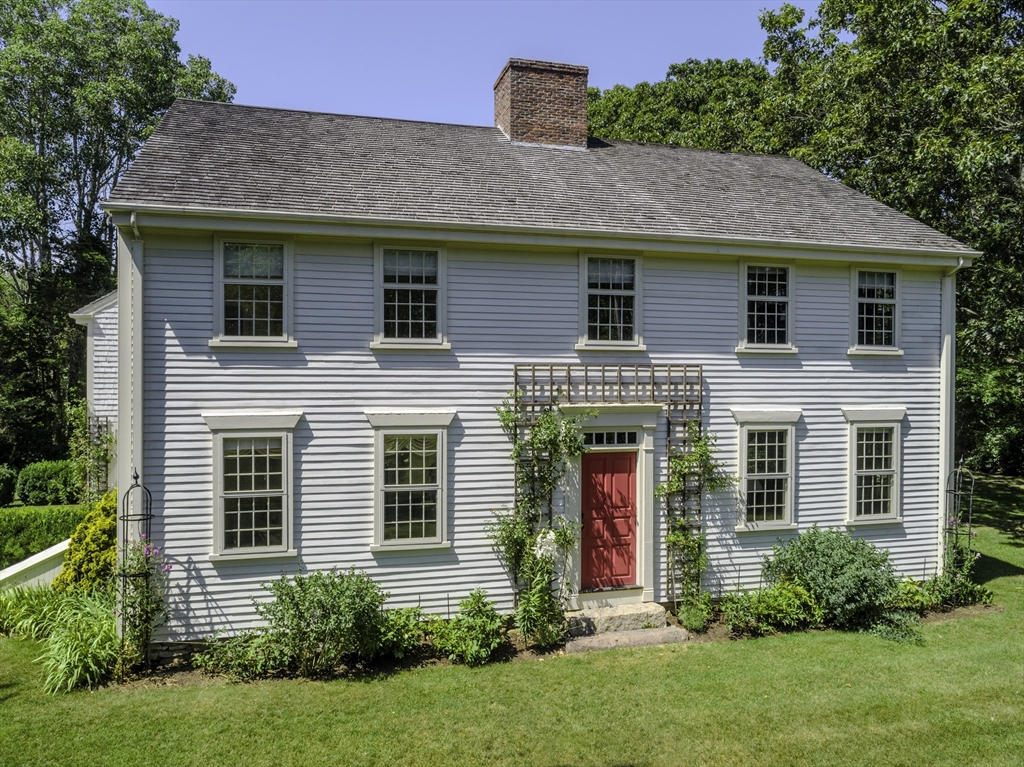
(608, 548)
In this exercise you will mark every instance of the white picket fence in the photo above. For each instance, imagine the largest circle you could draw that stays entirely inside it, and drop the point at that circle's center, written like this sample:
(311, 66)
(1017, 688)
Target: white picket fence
(39, 569)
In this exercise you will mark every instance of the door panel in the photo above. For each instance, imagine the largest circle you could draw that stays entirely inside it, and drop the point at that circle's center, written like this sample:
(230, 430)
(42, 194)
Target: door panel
(608, 505)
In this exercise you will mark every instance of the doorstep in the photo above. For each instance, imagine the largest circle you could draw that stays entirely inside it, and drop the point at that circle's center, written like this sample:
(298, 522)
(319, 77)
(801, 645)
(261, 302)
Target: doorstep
(603, 620)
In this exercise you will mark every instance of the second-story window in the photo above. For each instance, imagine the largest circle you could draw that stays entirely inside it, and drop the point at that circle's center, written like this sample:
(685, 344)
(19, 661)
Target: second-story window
(410, 293)
(611, 299)
(877, 309)
(254, 290)
(767, 310)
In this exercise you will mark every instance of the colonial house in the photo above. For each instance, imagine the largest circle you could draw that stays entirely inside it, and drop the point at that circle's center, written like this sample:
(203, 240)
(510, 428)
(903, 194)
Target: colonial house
(319, 314)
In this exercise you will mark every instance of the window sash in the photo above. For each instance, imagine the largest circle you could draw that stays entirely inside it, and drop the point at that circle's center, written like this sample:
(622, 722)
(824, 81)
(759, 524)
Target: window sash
(410, 294)
(767, 475)
(411, 510)
(253, 289)
(253, 512)
(877, 303)
(611, 299)
(874, 484)
(765, 306)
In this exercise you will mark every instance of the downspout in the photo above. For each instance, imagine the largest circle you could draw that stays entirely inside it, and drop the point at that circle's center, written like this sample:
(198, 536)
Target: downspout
(947, 398)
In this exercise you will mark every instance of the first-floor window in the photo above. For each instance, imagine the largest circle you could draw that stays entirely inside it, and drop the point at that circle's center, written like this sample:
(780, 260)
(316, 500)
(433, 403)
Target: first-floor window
(875, 472)
(254, 492)
(767, 475)
(410, 487)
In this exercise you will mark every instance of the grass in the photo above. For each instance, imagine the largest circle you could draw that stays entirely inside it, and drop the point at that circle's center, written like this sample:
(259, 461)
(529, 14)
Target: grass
(813, 698)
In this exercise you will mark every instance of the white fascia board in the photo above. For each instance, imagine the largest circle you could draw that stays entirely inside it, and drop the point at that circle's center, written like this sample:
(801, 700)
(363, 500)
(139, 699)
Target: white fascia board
(252, 420)
(874, 413)
(765, 414)
(86, 314)
(340, 225)
(383, 419)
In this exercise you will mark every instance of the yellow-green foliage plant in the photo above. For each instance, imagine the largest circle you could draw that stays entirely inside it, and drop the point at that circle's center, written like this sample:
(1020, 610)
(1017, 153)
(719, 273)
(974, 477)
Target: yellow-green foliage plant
(92, 555)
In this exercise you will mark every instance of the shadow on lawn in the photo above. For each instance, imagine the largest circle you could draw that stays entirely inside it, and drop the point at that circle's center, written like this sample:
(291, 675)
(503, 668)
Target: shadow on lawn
(989, 568)
(999, 503)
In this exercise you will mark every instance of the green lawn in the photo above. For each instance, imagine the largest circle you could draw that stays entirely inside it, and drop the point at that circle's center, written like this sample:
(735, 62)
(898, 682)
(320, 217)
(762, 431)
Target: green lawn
(814, 698)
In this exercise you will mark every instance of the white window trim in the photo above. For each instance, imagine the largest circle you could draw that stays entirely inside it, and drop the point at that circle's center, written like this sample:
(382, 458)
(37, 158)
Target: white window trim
(856, 350)
(440, 342)
(743, 346)
(637, 344)
(766, 419)
(275, 424)
(221, 341)
(868, 417)
(389, 422)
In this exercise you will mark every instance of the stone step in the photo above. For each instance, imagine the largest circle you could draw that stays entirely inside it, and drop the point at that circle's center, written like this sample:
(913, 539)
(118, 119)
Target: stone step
(638, 638)
(602, 620)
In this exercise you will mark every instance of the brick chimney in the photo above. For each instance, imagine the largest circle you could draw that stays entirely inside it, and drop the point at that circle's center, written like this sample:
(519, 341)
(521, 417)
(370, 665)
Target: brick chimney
(539, 102)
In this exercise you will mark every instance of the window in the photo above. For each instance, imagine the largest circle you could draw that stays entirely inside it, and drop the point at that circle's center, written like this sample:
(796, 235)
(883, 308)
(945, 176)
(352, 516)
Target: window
(410, 298)
(410, 509)
(767, 310)
(609, 438)
(874, 463)
(253, 293)
(610, 299)
(252, 483)
(767, 461)
(876, 311)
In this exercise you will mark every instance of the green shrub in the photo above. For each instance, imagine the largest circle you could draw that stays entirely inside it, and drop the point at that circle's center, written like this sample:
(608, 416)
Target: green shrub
(247, 656)
(82, 648)
(474, 635)
(695, 612)
(27, 530)
(92, 555)
(539, 617)
(8, 483)
(849, 579)
(403, 632)
(947, 590)
(783, 606)
(898, 626)
(49, 482)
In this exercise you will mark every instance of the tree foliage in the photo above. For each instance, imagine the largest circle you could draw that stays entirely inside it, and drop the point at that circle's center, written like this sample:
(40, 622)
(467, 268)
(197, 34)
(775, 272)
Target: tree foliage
(917, 104)
(83, 84)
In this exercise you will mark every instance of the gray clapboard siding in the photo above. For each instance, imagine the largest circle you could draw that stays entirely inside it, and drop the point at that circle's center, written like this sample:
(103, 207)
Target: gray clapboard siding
(104, 370)
(504, 307)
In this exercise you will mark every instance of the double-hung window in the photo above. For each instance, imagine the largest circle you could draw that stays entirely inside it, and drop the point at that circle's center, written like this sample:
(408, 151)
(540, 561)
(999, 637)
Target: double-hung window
(410, 305)
(767, 461)
(410, 486)
(610, 299)
(766, 320)
(254, 301)
(874, 464)
(875, 316)
(252, 483)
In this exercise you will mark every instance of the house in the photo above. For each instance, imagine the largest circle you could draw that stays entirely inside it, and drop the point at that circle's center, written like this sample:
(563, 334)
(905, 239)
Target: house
(321, 312)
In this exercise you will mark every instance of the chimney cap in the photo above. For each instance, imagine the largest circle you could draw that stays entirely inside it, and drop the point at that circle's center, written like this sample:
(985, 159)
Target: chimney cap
(544, 66)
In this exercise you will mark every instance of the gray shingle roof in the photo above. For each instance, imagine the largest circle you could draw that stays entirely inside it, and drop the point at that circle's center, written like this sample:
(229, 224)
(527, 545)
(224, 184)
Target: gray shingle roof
(211, 155)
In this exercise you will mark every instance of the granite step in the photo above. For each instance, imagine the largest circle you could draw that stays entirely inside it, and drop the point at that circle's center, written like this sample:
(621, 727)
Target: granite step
(603, 620)
(637, 638)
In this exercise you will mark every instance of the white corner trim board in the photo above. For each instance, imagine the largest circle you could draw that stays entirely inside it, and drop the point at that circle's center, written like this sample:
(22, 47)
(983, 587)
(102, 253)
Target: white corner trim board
(878, 413)
(765, 415)
(252, 419)
(382, 419)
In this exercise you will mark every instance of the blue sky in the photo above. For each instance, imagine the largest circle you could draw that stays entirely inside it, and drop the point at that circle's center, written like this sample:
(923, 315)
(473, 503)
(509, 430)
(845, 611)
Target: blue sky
(438, 61)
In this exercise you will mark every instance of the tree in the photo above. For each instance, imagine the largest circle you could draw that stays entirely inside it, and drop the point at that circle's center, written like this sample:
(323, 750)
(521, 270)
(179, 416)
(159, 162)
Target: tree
(83, 83)
(917, 104)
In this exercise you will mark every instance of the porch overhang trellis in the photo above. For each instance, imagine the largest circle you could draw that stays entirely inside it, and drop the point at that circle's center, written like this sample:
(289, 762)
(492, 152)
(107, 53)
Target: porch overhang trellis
(678, 388)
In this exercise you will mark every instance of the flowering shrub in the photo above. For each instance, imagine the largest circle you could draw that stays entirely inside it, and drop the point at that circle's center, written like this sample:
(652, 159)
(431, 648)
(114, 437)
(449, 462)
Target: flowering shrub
(143, 575)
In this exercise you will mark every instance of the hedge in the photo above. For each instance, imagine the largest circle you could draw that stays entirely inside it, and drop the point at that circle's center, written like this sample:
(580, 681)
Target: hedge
(27, 530)
(8, 481)
(49, 482)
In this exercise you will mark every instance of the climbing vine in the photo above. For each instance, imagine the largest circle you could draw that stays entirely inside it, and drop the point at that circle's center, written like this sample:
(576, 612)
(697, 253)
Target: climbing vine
(532, 539)
(690, 475)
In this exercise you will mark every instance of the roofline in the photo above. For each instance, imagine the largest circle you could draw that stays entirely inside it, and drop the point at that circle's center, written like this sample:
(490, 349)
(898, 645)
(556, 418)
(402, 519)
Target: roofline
(956, 257)
(85, 315)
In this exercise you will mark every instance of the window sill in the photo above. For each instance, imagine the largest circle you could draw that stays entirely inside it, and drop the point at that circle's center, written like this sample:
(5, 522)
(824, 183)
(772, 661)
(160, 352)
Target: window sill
(385, 346)
(862, 351)
(767, 350)
(232, 343)
(597, 346)
(243, 557)
(873, 522)
(754, 527)
(378, 548)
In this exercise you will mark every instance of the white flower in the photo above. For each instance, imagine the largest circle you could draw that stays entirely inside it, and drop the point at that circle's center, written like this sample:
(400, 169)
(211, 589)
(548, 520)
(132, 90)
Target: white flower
(545, 547)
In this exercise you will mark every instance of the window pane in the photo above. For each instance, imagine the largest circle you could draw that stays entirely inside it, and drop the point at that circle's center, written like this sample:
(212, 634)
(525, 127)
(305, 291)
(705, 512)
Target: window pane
(767, 281)
(253, 522)
(410, 459)
(880, 285)
(766, 452)
(252, 464)
(874, 449)
(874, 494)
(253, 310)
(611, 273)
(766, 499)
(410, 313)
(410, 514)
(876, 324)
(253, 262)
(609, 317)
(767, 322)
(410, 267)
